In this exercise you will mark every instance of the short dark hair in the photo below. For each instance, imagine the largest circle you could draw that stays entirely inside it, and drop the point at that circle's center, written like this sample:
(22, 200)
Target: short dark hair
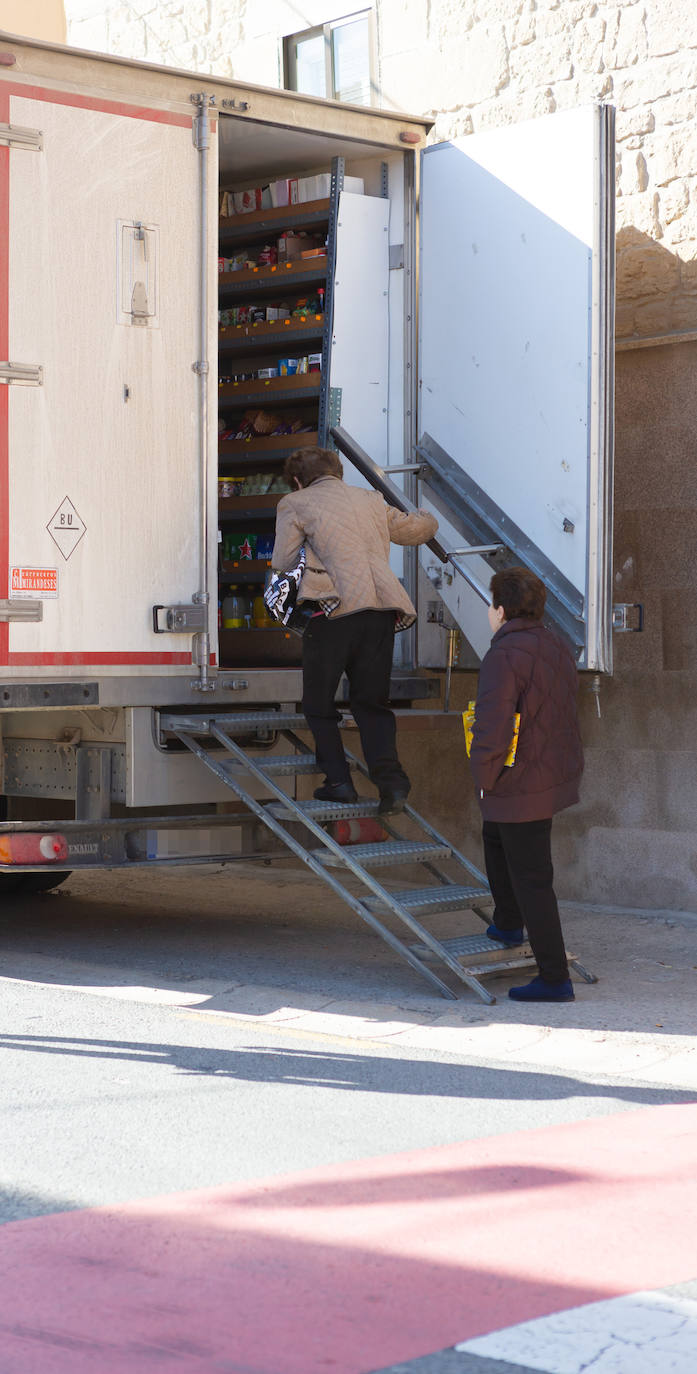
(307, 464)
(520, 593)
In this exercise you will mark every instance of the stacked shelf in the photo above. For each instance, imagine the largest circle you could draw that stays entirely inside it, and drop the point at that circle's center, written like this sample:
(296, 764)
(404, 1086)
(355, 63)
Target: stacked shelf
(251, 406)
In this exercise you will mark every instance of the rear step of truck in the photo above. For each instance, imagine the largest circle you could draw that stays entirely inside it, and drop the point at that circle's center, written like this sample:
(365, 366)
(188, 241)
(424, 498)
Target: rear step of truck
(215, 740)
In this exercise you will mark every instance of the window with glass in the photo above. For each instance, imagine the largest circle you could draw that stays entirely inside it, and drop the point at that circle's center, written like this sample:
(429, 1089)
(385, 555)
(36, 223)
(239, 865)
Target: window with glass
(334, 60)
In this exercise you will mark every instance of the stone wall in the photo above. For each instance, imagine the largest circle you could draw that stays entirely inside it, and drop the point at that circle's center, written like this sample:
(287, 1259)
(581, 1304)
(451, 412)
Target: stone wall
(478, 64)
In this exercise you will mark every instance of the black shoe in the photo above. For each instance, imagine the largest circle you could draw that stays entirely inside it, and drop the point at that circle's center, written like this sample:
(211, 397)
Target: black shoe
(336, 792)
(391, 803)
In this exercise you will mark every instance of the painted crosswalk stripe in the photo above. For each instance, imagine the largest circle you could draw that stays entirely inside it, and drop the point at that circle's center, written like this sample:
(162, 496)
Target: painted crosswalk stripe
(641, 1333)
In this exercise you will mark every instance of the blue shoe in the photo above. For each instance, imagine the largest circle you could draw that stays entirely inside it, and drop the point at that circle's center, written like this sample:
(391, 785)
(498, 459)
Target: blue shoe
(506, 937)
(539, 990)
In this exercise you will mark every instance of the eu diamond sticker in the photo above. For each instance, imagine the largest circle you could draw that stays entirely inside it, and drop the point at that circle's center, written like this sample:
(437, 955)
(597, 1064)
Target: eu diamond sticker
(66, 528)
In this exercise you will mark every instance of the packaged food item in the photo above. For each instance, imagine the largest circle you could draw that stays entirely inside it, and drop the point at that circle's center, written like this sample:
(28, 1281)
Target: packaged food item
(268, 257)
(265, 542)
(265, 373)
(313, 253)
(256, 198)
(319, 187)
(314, 362)
(221, 264)
(301, 365)
(287, 367)
(226, 487)
(284, 192)
(290, 246)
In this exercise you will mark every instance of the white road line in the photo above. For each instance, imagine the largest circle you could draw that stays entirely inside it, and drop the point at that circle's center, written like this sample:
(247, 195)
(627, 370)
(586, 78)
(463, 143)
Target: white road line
(642, 1333)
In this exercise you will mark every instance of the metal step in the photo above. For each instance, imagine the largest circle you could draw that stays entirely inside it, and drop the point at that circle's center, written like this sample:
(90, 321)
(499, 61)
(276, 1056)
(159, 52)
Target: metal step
(392, 852)
(445, 898)
(326, 811)
(290, 763)
(232, 722)
(476, 947)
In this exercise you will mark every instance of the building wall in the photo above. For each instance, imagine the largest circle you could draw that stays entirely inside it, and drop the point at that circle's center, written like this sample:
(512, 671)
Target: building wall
(477, 64)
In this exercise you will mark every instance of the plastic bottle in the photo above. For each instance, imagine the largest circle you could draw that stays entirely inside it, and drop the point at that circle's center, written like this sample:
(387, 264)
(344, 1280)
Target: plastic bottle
(260, 616)
(235, 609)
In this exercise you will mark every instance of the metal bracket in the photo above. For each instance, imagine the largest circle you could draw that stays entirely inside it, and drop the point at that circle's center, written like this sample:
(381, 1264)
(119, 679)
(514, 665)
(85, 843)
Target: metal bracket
(480, 548)
(21, 374)
(179, 620)
(15, 137)
(620, 617)
(21, 610)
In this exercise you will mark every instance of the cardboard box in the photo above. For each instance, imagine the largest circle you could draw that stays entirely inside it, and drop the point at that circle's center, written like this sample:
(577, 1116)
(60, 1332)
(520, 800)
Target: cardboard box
(319, 187)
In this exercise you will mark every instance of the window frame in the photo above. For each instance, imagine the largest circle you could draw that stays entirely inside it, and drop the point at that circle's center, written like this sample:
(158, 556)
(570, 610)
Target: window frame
(326, 31)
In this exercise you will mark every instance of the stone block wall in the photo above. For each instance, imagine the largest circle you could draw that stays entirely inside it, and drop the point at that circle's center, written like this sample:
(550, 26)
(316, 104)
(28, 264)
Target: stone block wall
(478, 64)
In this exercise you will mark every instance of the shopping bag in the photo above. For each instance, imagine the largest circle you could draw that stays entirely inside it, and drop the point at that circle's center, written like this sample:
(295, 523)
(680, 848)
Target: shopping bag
(468, 724)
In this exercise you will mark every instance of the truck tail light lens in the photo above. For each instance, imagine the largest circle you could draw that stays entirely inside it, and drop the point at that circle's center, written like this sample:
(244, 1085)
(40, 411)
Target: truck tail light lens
(33, 849)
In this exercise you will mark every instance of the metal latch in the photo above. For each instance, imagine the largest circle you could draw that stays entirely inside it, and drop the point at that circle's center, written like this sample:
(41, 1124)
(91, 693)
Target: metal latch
(621, 615)
(15, 137)
(179, 620)
(21, 374)
(21, 610)
(138, 273)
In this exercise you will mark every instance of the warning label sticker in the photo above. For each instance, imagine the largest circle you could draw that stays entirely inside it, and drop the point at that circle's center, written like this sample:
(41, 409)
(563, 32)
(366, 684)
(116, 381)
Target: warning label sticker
(33, 584)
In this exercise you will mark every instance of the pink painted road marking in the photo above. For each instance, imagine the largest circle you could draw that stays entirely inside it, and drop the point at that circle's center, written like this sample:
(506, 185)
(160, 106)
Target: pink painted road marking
(351, 1268)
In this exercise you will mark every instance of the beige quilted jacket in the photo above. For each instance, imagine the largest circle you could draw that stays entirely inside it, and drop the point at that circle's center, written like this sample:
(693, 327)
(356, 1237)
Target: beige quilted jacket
(346, 532)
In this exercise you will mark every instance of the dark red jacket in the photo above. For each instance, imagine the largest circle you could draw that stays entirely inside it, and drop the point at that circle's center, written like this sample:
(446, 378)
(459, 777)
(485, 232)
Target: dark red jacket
(530, 670)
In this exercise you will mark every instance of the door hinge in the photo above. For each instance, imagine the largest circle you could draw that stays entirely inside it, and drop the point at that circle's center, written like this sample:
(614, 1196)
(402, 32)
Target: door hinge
(621, 615)
(21, 610)
(179, 620)
(12, 136)
(21, 374)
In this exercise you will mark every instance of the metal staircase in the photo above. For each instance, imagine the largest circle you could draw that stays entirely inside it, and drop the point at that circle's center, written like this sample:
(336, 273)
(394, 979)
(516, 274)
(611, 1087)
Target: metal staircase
(215, 740)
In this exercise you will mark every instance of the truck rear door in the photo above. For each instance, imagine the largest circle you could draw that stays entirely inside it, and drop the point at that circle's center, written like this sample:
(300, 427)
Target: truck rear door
(100, 488)
(516, 364)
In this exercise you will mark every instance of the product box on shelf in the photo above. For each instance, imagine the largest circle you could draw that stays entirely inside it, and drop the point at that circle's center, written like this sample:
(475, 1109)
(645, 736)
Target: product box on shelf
(319, 187)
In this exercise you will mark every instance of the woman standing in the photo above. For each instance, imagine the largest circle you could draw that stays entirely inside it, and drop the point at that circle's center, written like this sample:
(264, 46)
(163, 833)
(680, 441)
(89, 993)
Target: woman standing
(346, 533)
(528, 670)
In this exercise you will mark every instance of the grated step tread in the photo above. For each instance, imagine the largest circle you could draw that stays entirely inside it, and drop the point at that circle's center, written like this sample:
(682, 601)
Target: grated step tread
(481, 954)
(233, 722)
(390, 852)
(290, 763)
(325, 811)
(435, 898)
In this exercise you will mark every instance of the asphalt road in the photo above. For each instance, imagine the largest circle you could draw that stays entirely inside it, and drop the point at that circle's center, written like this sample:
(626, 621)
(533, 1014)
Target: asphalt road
(107, 1098)
(186, 1174)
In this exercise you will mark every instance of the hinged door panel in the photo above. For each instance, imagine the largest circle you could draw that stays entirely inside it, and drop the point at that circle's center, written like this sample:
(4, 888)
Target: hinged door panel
(101, 290)
(516, 339)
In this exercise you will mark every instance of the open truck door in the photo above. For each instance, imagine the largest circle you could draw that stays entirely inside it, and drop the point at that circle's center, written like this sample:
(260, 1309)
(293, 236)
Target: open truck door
(100, 421)
(516, 366)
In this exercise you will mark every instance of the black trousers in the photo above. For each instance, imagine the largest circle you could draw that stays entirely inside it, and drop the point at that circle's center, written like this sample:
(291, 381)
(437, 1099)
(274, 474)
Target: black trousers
(518, 858)
(360, 645)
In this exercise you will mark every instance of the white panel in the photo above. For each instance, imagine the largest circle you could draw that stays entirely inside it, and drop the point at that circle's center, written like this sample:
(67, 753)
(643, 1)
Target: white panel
(507, 234)
(360, 343)
(129, 466)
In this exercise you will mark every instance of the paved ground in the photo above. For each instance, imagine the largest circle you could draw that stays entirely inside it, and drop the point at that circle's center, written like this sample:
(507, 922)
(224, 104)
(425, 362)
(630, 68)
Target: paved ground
(235, 1142)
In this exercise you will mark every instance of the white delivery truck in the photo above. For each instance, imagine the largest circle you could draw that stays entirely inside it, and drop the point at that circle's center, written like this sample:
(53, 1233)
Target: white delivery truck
(159, 361)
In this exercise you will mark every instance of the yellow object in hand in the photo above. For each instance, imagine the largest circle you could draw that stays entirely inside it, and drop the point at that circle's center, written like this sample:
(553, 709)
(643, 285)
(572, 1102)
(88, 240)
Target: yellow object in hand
(468, 723)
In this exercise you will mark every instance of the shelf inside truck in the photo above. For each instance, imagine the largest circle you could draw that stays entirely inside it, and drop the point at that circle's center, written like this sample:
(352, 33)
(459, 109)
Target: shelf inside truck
(258, 225)
(274, 447)
(271, 280)
(300, 387)
(245, 338)
(272, 648)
